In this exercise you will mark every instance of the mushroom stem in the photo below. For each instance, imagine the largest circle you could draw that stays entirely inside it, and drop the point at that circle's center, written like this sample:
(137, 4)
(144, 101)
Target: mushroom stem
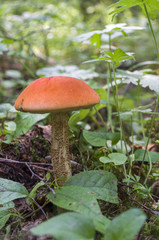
(60, 156)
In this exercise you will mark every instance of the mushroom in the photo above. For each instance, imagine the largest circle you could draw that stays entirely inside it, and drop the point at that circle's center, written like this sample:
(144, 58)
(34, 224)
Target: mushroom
(58, 96)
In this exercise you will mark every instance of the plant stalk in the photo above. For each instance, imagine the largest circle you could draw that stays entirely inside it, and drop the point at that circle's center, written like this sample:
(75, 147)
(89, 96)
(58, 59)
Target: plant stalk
(60, 156)
(151, 28)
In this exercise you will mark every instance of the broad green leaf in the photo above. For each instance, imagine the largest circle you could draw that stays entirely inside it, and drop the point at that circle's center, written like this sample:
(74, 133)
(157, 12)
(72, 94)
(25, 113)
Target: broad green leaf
(125, 226)
(4, 216)
(25, 121)
(7, 206)
(139, 154)
(116, 158)
(139, 78)
(80, 199)
(10, 190)
(10, 126)
(8, 138)
(102, 183)
(99, 139)
(67, 226)
(78, 116)
(7, 107)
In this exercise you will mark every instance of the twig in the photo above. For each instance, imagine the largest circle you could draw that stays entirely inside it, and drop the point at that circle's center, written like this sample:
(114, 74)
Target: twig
(74, 164)
(42, 168)
(19, 162)
(39, 207)
(34, 174)
(36, 210)
(142, 205)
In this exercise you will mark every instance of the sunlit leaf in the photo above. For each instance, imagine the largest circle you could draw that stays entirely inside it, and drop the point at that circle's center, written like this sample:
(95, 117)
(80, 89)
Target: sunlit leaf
(152, 6)
(118, 56)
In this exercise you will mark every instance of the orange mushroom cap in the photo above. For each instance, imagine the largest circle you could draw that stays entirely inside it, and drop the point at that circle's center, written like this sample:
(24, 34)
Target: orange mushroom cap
(56, 94)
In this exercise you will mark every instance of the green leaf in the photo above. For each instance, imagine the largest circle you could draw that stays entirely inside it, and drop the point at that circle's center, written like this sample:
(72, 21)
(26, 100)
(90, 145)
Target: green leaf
(10, 190)
(7, 206)
(67, 226)
(102, 93)
(99, 139)
(10, 126)
(125, 226)
(80, 199)
(8, 138)
(96, 39)
(7, 107)
(78, 116)
(32, 194)
(151, 5)
(116, 158)
(118, 56)
(138, 78)
(139, 154)
(123, 4)
(25, 121)
(4, 216)
(7, 41)
(152, 8)
(102, 183)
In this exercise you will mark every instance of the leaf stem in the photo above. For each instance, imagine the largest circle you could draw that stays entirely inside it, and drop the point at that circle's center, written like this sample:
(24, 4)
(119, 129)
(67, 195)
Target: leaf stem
(109, 80)
(151, 28)
(117, 105)
(146, 148)
(120, 122)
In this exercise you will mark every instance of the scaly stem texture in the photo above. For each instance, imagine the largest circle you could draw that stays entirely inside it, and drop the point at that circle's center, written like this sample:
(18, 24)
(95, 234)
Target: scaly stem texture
(60, 156)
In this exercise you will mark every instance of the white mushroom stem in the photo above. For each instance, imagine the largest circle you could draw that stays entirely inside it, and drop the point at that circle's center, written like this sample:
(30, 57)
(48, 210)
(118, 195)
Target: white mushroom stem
(60, 156)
